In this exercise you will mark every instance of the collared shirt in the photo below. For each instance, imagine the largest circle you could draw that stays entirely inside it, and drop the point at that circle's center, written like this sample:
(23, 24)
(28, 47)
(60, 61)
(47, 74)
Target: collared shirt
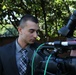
(18, 53)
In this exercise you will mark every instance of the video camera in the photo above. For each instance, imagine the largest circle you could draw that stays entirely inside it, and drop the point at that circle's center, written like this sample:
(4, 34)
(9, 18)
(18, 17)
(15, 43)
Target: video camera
(52, 63)
(57, 65)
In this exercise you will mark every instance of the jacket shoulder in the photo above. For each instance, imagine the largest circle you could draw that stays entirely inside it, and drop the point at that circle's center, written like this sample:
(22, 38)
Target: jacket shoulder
(4, 47)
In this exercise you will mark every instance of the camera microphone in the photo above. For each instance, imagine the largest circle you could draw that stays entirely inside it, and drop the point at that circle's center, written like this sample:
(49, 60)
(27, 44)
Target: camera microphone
(62, 43)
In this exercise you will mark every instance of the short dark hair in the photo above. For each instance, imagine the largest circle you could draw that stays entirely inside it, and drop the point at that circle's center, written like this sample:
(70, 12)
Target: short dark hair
(26, 18)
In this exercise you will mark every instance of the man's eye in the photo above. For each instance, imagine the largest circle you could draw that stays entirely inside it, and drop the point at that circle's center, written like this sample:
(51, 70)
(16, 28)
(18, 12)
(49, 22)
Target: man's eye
(31, 31)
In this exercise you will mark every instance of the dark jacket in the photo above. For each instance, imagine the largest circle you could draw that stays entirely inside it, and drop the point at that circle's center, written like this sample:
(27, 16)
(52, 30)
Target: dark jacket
(8, 64)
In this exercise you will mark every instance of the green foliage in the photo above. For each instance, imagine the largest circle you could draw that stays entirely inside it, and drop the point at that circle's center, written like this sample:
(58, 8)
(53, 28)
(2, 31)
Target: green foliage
(8, 30)
(52, 14)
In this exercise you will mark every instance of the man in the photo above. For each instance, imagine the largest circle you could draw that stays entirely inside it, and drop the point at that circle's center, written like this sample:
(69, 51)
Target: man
(10, 54)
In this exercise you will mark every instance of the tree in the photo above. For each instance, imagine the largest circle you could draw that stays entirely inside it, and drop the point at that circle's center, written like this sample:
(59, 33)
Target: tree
(52, 14)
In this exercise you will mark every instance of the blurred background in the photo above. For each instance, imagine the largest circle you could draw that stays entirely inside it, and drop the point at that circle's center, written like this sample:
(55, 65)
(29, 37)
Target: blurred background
(52, 15)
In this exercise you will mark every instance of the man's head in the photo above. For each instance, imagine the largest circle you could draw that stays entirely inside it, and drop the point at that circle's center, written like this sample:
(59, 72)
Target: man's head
(28, 29)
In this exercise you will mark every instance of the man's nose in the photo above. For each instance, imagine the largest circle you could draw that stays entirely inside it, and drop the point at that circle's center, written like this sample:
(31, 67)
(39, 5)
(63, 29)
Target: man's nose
(35, 34)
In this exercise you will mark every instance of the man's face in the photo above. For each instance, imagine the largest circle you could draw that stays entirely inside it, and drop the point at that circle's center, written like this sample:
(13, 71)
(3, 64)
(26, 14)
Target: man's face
(29, 33)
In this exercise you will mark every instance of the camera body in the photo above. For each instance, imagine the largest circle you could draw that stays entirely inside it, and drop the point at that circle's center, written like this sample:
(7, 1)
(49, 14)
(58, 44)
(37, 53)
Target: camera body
(58, 65)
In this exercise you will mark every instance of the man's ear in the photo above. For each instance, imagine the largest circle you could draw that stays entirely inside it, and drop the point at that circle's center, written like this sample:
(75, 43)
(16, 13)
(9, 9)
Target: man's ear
(19, 30)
